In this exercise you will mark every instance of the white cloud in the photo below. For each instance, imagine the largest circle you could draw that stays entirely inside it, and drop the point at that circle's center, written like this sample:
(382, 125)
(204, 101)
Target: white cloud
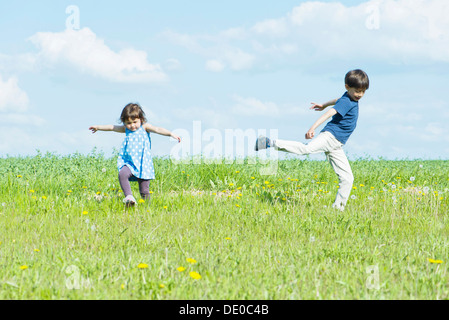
(435, 131)
(12, 98)
(214, 65)
(387, 32)
(272, 27)
(238, 59)
(254, 107)
(217, 51)
(173, 64)
(234, 33)
(84, 50)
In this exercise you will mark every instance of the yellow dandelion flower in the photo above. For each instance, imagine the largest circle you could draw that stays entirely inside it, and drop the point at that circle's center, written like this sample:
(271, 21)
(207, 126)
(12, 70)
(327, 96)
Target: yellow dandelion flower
(227, 238)
(191, 260)
(165, 207)
(36, 250)
(19, 176)
(69, 191)
(180, 269)
(122, 286)
(84, 187)
(162, 286)
(237, 172)
(23, 267)
(238, 206)
(434, 261)
(31, 191)
(195, 275)
(44, 197)
(231, 184)
(142, 266)
(253, 178)
(141, 201)
(85, 212)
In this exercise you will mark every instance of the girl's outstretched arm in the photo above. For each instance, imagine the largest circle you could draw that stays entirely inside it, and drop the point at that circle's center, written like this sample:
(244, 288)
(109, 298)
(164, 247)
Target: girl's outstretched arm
(164, 132)
(109, 127)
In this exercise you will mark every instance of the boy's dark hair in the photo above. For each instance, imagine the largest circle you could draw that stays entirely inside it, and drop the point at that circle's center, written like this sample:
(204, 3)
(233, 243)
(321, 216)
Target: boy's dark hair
(357, 79)
(133, 111)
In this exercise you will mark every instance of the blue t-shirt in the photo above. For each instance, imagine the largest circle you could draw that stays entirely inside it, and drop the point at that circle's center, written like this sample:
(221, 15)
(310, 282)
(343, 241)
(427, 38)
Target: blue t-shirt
(344, 121)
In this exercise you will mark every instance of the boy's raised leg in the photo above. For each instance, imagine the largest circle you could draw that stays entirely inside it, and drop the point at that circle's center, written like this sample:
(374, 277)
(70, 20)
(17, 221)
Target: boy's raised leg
(324, 142)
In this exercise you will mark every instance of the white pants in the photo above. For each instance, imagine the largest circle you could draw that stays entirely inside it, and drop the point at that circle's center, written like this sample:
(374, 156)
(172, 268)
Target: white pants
(327, 143)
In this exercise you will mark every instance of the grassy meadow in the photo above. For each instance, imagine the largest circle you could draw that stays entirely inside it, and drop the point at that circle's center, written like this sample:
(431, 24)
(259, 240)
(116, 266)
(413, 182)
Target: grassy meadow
(223, 231)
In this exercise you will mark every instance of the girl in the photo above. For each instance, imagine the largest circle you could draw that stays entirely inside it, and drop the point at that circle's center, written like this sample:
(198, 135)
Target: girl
(135, 162)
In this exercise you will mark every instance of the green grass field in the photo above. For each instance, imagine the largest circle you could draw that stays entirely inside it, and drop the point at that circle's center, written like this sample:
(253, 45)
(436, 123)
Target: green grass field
(223, 231)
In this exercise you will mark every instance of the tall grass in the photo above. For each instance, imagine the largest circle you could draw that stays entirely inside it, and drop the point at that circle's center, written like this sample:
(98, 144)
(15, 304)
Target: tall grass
(65, 233)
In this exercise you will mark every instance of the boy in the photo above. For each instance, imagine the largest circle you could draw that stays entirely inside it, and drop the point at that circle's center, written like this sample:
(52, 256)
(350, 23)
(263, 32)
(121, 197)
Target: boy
(334, 135)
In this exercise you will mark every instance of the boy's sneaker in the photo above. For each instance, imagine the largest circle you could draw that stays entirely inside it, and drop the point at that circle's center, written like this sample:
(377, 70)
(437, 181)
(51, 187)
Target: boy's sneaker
(129, 200)
(262, 143)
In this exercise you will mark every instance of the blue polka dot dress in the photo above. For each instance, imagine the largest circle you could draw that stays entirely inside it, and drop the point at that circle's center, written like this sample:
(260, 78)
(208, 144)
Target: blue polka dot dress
(135, 154)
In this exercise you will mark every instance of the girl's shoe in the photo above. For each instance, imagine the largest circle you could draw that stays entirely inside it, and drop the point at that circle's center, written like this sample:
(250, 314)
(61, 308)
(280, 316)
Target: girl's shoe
(129, 200)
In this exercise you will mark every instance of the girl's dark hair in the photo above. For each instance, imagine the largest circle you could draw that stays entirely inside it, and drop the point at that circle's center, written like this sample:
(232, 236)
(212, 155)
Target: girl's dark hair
(133, 111)
(357, 79)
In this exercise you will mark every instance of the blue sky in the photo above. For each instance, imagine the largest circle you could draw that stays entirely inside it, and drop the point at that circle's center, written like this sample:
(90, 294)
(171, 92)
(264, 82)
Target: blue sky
(231, 66)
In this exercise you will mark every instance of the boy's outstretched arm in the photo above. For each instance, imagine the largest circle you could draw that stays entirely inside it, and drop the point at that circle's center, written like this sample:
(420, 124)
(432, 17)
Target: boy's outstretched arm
(321, 107)
(164, 132)
(311, 133)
